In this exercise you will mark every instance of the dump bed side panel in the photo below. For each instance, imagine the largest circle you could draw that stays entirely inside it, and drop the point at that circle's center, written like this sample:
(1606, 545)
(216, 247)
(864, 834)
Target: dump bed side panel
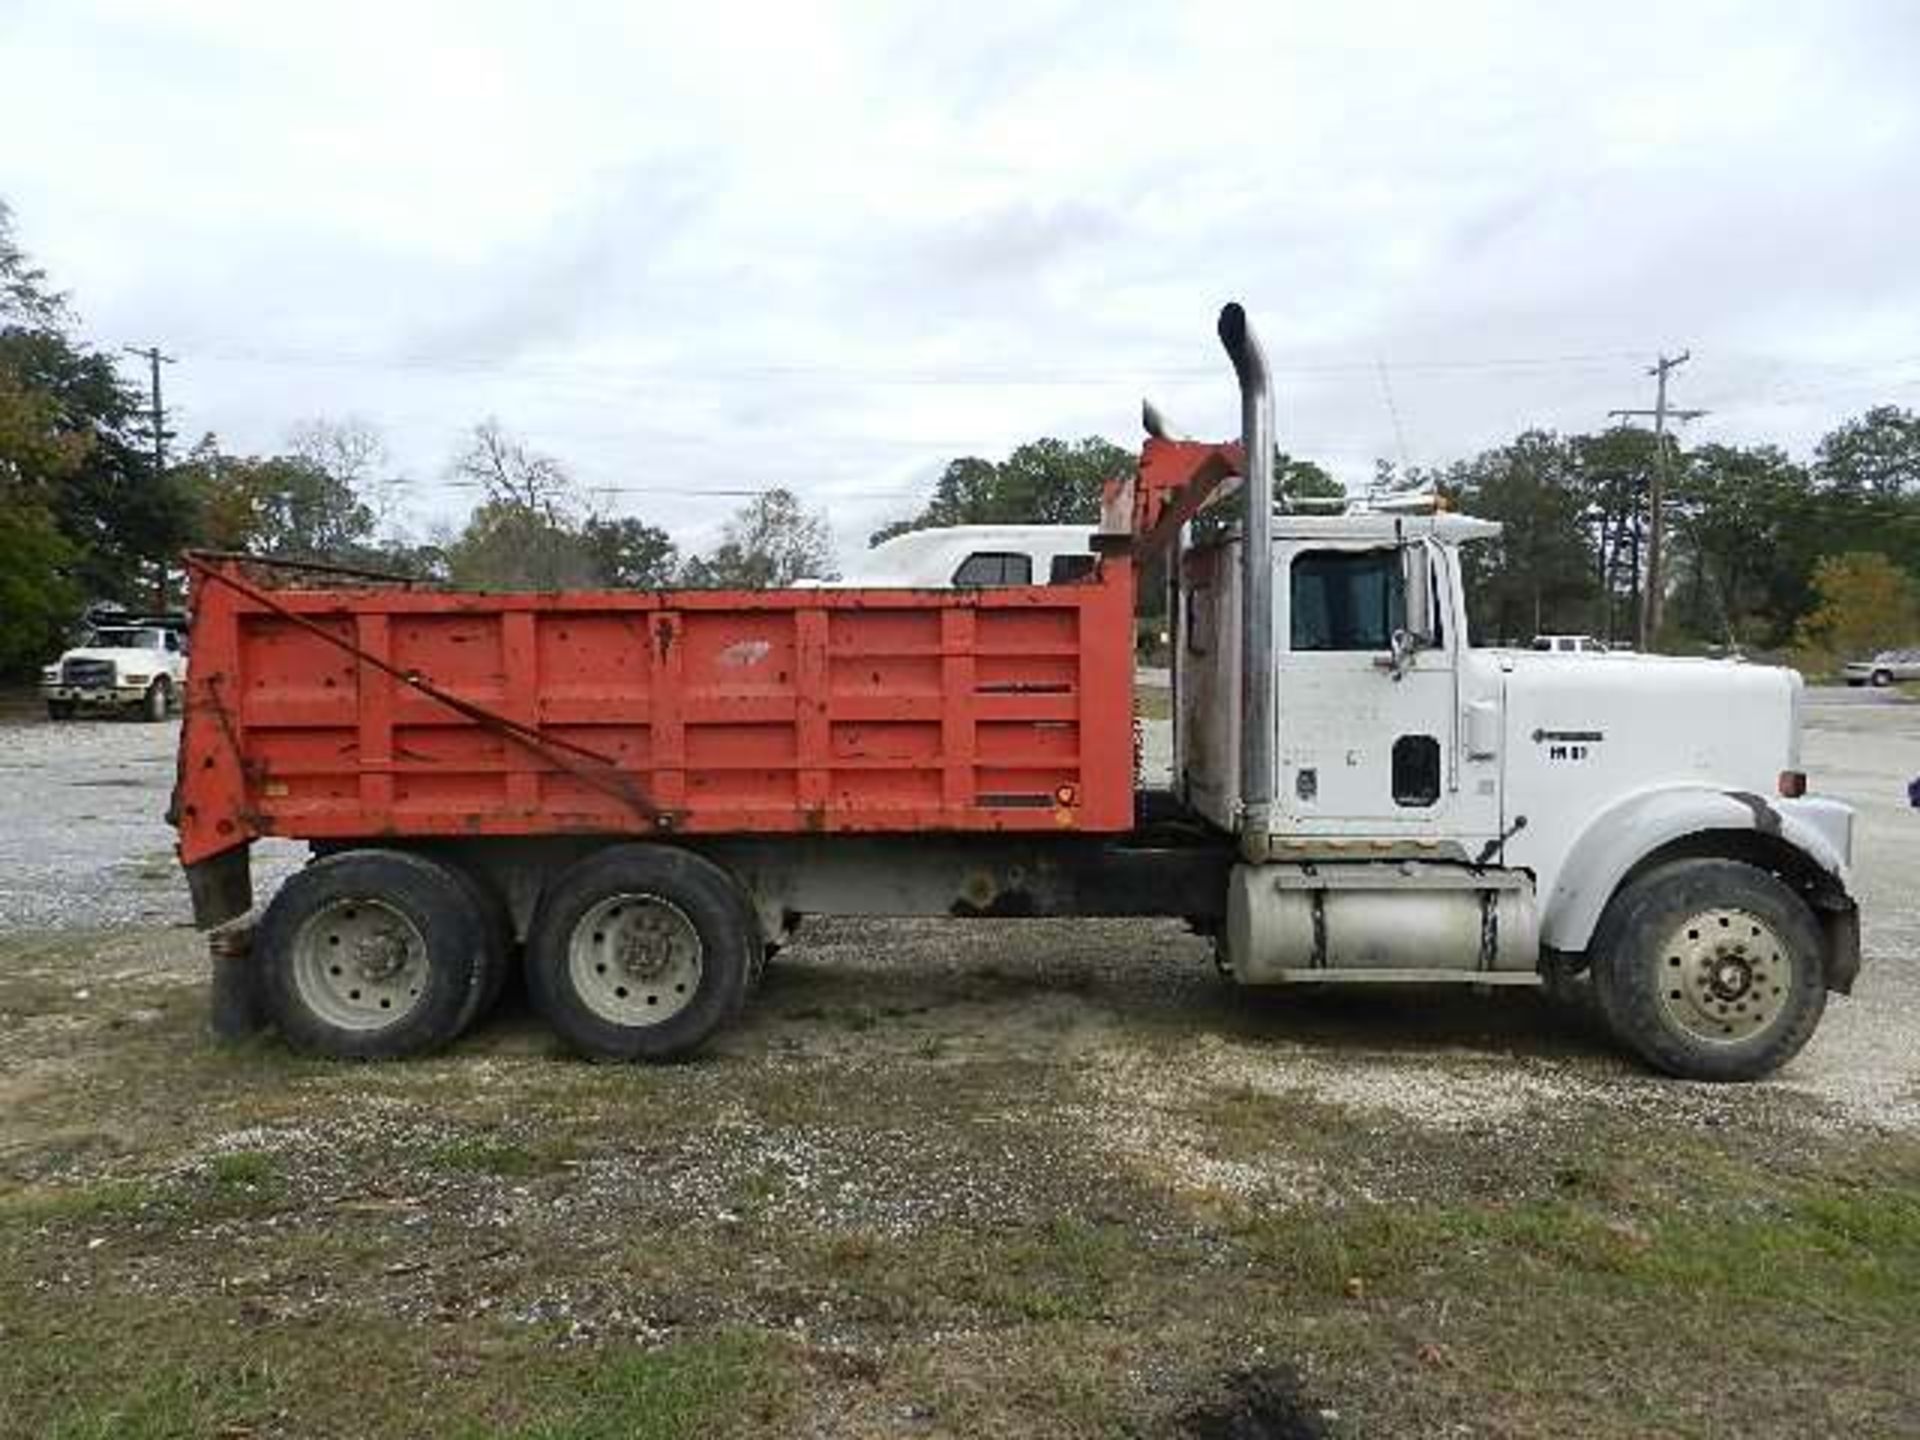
(380, 712)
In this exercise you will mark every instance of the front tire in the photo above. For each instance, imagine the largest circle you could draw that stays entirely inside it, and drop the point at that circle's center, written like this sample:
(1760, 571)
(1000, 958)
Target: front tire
(371, 955)
(641, 952)
(1882, 679)
(157, 701)
(1710, 970)
(59, 709)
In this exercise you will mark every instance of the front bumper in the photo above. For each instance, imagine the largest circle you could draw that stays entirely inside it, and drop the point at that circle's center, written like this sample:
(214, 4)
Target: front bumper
(102, 695)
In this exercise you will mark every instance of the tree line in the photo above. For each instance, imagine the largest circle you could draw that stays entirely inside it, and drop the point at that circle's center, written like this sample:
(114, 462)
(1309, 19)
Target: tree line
(1764, 552)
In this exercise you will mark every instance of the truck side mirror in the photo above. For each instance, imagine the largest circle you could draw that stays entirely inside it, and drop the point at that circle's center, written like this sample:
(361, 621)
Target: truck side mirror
(1416, 575)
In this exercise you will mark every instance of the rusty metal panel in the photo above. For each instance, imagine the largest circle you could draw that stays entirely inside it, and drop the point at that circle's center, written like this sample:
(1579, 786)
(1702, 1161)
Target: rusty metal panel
(363, 712)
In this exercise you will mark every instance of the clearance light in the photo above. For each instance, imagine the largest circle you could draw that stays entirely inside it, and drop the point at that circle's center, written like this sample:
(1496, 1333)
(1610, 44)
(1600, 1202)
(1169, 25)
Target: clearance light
(1066, 795)
(1793, 783)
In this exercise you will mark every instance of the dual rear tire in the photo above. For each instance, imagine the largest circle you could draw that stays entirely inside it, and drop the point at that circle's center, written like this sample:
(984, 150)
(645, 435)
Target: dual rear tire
(637, 952)
(377, 954)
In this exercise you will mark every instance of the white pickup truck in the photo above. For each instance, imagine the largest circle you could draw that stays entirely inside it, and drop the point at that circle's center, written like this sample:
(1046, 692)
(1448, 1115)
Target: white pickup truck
(132, 666)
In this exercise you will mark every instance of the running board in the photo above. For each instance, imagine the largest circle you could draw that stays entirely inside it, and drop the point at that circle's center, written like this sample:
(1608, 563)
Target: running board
(1401, 977)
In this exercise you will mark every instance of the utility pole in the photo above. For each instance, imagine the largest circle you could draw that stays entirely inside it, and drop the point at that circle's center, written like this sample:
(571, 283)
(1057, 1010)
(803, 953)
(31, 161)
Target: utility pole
(158, 418)
(1654, 581)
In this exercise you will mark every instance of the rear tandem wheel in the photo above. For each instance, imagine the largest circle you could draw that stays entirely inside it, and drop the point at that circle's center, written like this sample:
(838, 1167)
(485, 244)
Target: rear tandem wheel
(642, 952)
(373, 955)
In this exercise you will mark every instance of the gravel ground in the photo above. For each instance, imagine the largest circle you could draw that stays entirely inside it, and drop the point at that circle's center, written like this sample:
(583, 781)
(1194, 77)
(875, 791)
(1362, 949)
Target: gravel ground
(977, 1179)
(85, 846)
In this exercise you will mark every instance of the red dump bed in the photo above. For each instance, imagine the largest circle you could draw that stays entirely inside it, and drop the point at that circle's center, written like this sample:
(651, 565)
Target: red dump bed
(352, 713)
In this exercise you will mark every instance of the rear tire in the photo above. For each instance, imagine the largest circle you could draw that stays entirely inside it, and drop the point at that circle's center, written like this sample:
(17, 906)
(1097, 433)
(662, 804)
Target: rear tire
(641, 952)
(371, 955)
(495, 958)
(1710, 970)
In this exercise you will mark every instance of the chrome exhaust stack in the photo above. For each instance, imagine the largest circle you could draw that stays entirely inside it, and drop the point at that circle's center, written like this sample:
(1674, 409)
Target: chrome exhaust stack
(1256, 581)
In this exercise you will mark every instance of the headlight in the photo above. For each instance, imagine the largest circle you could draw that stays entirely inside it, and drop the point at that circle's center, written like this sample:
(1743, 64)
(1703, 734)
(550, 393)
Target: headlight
(50, 674)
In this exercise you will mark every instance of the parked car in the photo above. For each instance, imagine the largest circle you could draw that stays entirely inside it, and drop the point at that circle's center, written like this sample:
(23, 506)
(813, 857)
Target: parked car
(1884, 668)
(133, 665)
(1571, 645)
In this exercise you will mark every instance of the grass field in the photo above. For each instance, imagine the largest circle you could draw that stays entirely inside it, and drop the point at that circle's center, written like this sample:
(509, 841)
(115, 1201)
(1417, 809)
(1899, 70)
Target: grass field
(1025, 1195)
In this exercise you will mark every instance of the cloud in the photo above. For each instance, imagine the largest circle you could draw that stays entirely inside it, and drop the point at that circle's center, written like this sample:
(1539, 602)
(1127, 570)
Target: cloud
(692, 249)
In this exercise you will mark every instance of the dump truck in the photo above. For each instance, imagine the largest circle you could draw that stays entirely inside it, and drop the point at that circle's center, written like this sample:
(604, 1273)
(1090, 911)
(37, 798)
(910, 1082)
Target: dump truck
(636, 796)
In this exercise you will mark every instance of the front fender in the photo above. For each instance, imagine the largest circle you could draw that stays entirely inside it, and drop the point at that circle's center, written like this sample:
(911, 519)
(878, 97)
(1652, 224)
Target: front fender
(1621, 836)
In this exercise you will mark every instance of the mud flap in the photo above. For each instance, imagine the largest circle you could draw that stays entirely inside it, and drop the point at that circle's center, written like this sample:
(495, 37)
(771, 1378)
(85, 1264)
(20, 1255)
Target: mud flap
(221, 887)
(1840, 926)
(234, 1009)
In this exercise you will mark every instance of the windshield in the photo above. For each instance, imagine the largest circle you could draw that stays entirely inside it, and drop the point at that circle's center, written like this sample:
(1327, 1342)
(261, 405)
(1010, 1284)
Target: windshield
(125, 639)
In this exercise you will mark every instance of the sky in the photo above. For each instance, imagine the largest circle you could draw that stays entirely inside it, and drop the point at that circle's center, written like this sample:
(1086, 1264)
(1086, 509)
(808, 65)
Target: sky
(699, 250)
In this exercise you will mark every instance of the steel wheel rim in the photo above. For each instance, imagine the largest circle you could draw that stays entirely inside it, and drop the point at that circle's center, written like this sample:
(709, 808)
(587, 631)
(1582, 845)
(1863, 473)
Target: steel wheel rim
(635, 960)
(360, 964)
(1725, 976)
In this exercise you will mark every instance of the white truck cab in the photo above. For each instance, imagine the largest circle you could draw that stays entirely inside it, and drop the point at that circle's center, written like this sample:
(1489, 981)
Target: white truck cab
(976, 557)
(1410, 807)
(1441, 811)
(129, 665)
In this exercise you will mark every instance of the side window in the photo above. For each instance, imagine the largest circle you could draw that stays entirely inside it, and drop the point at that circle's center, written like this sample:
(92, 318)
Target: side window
(173, 642)
(1067, 568)
(1346, 600)
(986, 568)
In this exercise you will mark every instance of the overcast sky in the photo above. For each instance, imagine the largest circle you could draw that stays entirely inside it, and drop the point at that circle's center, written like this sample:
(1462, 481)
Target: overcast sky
(699, 248)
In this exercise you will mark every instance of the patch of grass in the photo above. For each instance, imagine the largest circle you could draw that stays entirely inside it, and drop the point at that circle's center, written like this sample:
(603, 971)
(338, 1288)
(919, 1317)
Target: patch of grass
(173, 1402)
(495, 1155)
(690, 1388)
(245, 1170)
(101, 1199)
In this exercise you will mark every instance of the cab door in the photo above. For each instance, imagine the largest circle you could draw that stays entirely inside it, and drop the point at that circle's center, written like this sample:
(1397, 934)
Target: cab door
(1366, 748)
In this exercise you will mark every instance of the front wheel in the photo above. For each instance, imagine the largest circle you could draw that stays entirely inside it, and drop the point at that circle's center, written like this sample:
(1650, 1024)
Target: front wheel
(59, 709)
(1882, 679)
(158, 700)
(641, 952)
(1710, 970)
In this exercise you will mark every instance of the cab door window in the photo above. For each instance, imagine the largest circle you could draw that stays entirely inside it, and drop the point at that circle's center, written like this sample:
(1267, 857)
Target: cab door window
(1346, 600)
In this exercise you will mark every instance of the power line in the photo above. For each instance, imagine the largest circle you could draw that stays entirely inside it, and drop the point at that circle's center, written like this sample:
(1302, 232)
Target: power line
(1651, 596)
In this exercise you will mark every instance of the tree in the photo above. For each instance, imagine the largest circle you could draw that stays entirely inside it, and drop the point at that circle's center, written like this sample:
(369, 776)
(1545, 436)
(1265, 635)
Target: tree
(1295, 480)
(770, 542)
(1538, 575)
(37, 600)
(510, 473)
(630, 554)
(1043, 482)
(25, 300)
(275, 505)
(1865, 603)
(506, 546)
(351, 453)
(68, 441)
(523, 535)
(1743, 536)
(1876, 455)
(1612, 474)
